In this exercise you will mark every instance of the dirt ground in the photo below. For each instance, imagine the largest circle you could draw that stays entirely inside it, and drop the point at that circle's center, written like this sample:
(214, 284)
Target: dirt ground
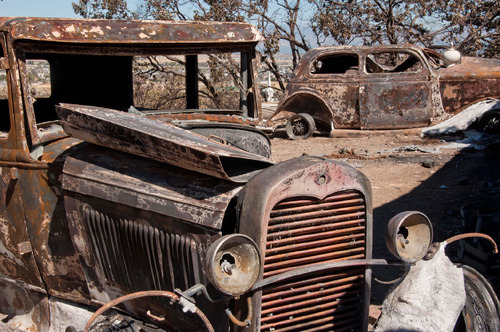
(436, 176)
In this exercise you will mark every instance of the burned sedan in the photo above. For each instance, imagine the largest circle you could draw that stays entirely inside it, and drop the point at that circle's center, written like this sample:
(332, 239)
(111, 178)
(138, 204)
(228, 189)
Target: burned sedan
(382, 87)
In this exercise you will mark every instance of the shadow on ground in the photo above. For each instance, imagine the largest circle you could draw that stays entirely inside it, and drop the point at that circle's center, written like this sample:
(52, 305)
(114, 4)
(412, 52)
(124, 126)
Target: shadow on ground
(471, 176)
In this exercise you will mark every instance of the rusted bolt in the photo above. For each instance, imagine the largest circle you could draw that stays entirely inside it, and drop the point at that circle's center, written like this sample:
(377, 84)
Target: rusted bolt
(228, 264)
(404, 241)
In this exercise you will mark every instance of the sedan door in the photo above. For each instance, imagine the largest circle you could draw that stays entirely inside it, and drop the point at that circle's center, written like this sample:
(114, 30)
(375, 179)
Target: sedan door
(395, 90)
(335, 76)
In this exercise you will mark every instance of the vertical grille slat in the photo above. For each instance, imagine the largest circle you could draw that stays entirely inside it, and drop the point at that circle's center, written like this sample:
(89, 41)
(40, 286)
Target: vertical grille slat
(305, 232)
(117, 249)
(136, 257)
(123, 228)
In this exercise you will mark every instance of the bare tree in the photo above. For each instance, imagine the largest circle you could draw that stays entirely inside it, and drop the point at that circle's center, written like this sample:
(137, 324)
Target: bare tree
(471, 25)
(106, 9)
(282, 24)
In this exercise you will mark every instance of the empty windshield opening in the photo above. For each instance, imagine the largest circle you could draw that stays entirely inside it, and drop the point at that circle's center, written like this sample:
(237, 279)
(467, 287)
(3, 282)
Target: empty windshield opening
(216, 81)
(77, 79)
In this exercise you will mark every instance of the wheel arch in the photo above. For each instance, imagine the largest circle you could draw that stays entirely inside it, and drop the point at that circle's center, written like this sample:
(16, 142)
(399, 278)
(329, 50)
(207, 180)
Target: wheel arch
(489, 121)
(306, 102)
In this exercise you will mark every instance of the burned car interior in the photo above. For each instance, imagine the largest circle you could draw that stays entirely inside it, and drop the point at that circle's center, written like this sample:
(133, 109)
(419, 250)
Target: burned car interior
(392, 63)
(336, 64)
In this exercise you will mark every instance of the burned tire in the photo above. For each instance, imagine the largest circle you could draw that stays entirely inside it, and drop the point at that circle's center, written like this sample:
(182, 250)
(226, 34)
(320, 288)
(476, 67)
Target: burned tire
(300, 126)
(482, 309)
(489, 122)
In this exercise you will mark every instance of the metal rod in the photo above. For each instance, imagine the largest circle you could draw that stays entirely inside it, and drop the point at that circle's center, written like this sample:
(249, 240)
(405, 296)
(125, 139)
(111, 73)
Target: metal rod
(137, 295)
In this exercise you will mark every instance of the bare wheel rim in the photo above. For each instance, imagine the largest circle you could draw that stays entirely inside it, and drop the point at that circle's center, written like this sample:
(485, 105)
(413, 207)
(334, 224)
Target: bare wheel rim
(300, 126)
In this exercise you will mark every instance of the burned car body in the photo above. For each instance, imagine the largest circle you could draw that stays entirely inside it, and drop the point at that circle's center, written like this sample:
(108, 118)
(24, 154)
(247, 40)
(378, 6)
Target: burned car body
(381, 87)
(147, 205)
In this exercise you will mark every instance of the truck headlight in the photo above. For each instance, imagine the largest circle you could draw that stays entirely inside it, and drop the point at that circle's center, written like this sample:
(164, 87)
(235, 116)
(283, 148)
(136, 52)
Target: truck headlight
(233, 264)
(408, 236)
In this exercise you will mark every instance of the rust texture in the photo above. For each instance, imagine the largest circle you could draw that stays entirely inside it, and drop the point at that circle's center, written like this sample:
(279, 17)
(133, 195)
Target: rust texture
(344, 87)
(214, 117)
(128, 32)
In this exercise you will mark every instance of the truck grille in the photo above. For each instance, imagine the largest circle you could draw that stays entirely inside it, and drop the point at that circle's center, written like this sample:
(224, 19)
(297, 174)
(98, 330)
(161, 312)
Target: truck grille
(141, 257)
(304, 231)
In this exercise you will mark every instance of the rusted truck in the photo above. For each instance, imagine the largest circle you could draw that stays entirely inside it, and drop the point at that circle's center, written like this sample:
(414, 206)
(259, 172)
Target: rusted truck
(383, 87)
(112, 206)
(149, 203)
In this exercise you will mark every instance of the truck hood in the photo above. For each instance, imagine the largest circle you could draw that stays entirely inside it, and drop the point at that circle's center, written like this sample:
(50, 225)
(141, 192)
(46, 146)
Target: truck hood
(159, 141)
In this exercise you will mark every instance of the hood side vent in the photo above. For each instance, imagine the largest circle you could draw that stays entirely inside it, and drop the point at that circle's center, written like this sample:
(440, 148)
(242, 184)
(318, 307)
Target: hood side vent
(134, 256)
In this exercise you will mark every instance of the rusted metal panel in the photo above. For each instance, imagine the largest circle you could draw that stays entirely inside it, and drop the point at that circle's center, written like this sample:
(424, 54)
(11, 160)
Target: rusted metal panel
(170, 191)
(15, 263)
(159, 141)
(47, 224)
(129, 31)
(470, 68)
(284, 186)
(471, 80)
(325, 101)
(389, 104)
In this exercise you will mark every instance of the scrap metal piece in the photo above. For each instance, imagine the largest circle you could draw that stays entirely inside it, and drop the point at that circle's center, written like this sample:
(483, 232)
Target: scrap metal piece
(159, 141)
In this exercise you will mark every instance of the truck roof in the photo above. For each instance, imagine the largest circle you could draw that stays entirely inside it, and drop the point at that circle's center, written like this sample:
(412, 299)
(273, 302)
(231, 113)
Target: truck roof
(100, 31)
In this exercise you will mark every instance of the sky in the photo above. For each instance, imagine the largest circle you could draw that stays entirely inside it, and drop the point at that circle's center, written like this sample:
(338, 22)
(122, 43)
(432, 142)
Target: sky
(42, 8)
